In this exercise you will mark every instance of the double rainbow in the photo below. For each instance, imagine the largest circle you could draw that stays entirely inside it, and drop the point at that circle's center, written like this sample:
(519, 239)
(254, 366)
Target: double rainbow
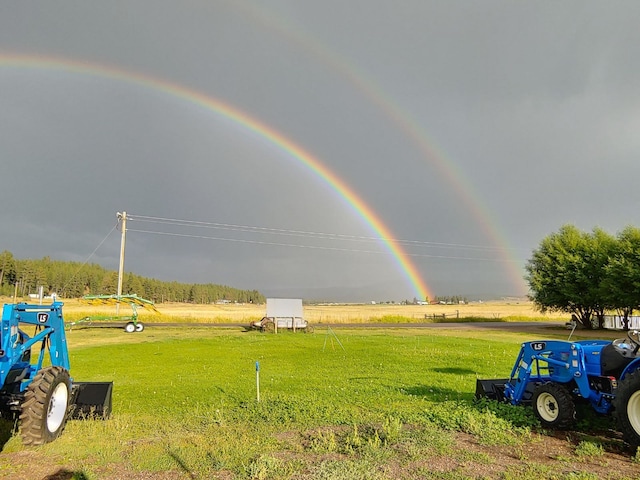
(247, 122)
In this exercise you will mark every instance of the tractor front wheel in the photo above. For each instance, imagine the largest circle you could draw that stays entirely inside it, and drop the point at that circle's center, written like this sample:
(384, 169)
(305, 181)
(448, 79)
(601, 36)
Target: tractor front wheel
(553, 405)
(626, 408)
(45, 406)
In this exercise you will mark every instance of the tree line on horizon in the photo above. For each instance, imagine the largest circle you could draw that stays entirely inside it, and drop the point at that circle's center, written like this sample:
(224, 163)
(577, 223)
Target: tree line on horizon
(74, 280)
(587, 274)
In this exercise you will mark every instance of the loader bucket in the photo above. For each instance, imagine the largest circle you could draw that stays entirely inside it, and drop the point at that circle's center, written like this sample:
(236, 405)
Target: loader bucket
(91, 400)
(491, 389)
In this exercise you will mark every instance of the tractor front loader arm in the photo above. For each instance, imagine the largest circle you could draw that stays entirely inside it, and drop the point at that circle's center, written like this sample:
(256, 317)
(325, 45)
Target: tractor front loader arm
(16, 344)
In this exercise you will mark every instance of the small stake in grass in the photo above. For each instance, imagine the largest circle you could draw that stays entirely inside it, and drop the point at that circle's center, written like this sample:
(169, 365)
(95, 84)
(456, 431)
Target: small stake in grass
(258, 381)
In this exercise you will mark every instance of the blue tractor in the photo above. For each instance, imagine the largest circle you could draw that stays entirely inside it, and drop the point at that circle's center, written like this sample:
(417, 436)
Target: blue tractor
(552, 375)
(35, 384)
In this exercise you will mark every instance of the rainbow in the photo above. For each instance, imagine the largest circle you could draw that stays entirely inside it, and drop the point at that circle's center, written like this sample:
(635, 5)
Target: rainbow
(242, 119)
(436, 157)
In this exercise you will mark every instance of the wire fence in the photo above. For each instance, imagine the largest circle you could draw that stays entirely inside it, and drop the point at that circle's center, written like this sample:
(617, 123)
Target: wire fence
(441, 316)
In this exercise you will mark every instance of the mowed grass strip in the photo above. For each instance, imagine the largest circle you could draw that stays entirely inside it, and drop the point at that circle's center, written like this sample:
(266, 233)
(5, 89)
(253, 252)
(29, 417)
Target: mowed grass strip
(185, 400)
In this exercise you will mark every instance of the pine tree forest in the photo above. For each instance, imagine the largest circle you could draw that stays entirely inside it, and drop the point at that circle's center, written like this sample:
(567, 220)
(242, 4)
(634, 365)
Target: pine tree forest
(74, 280)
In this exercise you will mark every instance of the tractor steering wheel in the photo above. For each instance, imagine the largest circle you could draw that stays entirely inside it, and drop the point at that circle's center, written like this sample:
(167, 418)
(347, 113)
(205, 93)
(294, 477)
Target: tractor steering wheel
(635, 341)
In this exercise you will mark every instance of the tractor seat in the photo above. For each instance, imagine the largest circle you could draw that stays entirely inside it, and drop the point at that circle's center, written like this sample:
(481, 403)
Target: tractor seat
(625, 348)
(616, 356)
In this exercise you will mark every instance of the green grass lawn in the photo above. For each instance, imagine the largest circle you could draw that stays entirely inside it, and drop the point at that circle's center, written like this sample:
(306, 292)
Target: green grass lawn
(339, 404)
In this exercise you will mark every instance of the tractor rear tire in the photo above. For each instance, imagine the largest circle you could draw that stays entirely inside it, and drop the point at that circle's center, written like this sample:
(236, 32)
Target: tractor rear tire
(553, 406)
(45, 406)
(626, 408)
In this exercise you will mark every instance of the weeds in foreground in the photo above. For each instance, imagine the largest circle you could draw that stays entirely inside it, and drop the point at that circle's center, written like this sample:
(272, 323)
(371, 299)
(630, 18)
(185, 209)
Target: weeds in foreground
(266, 467)
(589, 449)
(515, 415)
(357, 439)
(489, 428)
(347, 469)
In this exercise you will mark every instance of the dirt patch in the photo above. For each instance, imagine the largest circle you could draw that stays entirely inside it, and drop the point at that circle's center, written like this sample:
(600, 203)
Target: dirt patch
(542, 456)
(35, 465)
(548, 455)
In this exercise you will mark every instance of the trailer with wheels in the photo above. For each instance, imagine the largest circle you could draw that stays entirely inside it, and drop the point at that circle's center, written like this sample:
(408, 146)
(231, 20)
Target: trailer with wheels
(552, 375)
(131, 322)
(35, 383)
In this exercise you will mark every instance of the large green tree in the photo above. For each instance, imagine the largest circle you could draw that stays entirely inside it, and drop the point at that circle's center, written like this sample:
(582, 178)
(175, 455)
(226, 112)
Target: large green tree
(601, 246)
(621, 282)
(566, 272)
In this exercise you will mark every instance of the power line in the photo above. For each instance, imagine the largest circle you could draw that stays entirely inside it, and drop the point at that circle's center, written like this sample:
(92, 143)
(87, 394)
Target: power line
(313, 247)
(302, 233)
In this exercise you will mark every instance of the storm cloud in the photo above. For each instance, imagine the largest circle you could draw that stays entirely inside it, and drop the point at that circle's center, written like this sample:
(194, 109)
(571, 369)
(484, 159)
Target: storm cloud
(469, 130)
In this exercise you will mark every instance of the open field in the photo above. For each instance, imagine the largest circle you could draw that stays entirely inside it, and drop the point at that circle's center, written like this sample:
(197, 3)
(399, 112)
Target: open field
(334, 313)
(350, 404)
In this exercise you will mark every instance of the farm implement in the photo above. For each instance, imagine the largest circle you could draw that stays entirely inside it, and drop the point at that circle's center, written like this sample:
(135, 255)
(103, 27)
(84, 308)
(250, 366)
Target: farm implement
(552, 375)
(35, 383)
(132, 324)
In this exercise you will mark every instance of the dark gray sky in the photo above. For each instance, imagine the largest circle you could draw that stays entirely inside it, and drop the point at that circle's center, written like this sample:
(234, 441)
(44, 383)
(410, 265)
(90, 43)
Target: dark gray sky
(470, 129)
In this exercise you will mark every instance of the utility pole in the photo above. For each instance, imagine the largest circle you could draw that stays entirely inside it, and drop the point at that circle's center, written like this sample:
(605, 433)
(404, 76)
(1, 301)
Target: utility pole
(122, 217)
